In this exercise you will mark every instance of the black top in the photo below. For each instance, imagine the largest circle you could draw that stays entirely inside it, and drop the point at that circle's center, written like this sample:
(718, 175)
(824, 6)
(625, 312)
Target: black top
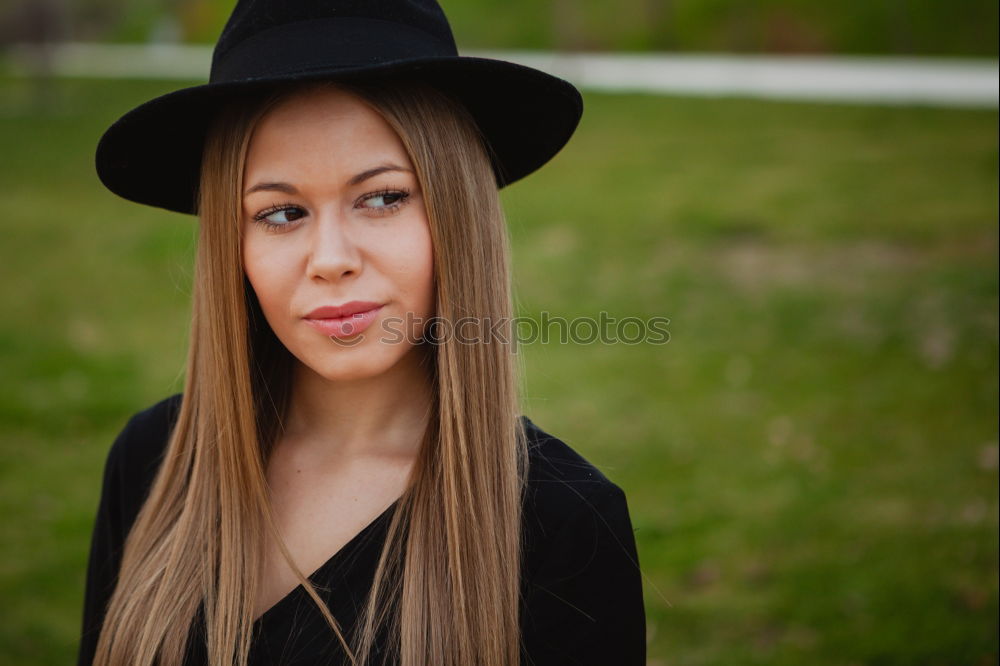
(581, 587)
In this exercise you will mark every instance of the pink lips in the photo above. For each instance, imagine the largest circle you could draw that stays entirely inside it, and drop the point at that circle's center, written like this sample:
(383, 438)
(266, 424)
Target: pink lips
(342, 321)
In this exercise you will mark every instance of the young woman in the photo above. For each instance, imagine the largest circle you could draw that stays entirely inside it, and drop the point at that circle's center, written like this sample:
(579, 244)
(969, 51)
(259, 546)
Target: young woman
(345, 477)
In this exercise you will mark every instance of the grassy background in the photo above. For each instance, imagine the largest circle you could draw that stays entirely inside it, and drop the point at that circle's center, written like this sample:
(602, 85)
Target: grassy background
(811, 461)
(921, 27)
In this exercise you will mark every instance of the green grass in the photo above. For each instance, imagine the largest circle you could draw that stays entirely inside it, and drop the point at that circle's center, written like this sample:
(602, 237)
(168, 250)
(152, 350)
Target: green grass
(811, 461)
(929, 27)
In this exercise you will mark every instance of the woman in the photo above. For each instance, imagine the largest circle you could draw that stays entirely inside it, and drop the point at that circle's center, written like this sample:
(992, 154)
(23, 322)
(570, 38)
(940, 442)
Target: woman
(345, 478)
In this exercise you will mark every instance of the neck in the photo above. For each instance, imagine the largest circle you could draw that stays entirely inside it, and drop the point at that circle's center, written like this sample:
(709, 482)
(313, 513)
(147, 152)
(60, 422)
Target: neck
(382, 416)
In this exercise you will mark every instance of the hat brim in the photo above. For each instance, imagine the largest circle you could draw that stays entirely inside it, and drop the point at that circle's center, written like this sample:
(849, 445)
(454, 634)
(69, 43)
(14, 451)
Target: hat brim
(152, 154)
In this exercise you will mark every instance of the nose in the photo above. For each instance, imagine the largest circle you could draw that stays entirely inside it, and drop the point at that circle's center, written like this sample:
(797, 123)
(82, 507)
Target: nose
(333, 255)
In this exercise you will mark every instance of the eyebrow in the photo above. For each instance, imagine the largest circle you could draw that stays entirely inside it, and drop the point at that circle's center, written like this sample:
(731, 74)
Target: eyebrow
(353, 180)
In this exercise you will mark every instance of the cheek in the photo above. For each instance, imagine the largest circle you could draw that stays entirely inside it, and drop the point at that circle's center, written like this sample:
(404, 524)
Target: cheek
(415, 278)
(421, 273)
(266, 275)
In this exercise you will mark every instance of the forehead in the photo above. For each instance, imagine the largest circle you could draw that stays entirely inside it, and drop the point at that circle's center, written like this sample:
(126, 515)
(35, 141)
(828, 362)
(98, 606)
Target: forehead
(329, 129)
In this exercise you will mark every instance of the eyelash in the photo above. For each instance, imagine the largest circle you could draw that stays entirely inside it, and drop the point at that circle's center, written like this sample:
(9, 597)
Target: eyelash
(404, 196)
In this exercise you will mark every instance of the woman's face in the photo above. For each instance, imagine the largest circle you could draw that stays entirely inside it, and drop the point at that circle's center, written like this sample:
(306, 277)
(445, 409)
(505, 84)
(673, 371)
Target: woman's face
(333, 216)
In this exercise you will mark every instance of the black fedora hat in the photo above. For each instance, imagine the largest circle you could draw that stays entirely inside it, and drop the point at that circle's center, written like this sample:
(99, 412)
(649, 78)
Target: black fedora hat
(152, 154)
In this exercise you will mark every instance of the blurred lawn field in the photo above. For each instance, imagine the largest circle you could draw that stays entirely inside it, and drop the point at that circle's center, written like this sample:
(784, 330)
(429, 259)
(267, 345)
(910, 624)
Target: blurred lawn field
(811, 461)
(929, 27)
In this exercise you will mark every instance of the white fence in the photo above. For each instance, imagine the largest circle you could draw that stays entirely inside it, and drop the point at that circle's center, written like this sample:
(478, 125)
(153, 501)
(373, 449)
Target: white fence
(851, 79)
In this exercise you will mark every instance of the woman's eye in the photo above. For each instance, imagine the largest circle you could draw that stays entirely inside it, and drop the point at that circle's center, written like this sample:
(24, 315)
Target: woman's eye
(281, 216)
(383, 200)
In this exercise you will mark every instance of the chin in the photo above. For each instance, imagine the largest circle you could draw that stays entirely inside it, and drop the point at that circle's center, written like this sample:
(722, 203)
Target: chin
(349, 372)
(345, 364)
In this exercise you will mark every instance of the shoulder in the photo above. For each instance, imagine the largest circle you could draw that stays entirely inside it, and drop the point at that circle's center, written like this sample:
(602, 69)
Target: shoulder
(581, 583)
(567, 498)
(137, 452)
(560, 479)
(563, 490)
(145, 435)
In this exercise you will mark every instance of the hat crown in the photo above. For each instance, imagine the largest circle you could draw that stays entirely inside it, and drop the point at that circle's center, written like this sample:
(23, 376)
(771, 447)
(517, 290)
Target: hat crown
(354, 31)
(523, 115)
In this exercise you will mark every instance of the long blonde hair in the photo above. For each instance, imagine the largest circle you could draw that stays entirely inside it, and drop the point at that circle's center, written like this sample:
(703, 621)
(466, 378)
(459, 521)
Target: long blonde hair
(446, 587)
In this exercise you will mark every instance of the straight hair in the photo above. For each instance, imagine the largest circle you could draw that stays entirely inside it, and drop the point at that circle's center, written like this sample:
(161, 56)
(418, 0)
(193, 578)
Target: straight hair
(446, 587)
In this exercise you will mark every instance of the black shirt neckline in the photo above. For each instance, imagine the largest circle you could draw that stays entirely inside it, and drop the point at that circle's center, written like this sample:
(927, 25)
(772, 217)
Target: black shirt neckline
(332, 563)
